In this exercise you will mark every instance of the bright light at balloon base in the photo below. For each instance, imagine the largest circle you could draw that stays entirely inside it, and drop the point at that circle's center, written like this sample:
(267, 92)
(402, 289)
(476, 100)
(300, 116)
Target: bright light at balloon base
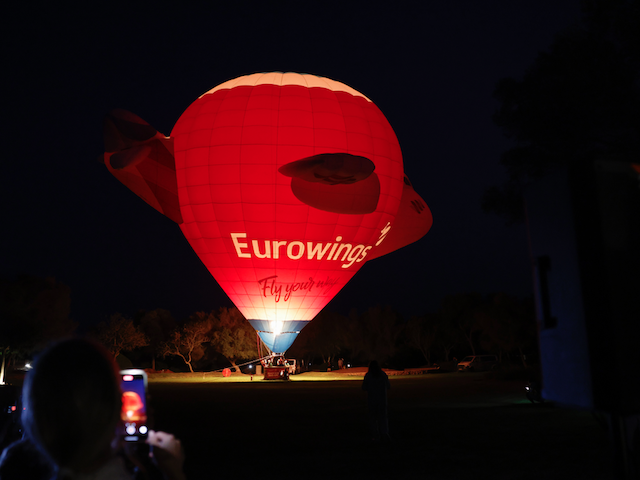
(276, 327)
(277, 335)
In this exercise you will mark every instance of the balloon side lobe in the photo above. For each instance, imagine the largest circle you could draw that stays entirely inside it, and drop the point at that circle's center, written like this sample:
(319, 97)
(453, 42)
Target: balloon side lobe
(142, 159)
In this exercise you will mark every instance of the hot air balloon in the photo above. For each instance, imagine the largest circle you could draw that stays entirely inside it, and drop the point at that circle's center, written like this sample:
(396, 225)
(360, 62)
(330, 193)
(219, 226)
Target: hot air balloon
(284, 184)
(132, 407)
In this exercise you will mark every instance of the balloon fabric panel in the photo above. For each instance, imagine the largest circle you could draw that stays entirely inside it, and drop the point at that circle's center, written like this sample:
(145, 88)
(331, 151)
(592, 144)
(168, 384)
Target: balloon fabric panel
(281, 124)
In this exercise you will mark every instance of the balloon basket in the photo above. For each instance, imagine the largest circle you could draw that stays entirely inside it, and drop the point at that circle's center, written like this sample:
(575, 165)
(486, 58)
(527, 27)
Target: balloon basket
(276, 373)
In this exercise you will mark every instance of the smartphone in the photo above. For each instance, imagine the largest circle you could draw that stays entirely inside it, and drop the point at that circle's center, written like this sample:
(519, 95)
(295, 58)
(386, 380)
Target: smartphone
(133, 383)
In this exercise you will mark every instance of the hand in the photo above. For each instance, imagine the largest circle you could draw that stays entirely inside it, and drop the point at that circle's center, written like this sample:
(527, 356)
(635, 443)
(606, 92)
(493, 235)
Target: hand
(168, 454)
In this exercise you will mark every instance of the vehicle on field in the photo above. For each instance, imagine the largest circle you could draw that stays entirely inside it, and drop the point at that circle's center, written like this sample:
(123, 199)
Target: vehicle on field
(21, 364)
(292, 366)
(477, 363)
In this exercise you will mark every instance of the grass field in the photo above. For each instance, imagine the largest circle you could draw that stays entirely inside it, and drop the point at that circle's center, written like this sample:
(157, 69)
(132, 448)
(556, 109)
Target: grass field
(443, 426)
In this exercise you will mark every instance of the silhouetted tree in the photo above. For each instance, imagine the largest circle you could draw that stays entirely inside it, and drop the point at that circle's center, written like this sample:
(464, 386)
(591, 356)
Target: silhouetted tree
(33, 311)
(186, 340)
(449, 335)
(577, 103)
(422, 333)
(461, 312)
(233, 336)
(119, 334)
(374, 334)
(325, 336)
(508, 325)
(157, 325)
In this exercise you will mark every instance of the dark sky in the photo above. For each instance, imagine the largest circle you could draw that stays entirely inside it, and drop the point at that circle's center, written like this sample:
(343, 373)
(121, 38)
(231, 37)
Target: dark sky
(430, 66)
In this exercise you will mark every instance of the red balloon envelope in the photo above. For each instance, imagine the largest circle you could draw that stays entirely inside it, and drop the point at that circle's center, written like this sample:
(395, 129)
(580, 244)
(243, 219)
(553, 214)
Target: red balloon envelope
(284, 185)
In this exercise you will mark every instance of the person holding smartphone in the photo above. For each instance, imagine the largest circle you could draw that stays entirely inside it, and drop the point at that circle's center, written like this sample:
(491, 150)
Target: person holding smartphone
(73, 415)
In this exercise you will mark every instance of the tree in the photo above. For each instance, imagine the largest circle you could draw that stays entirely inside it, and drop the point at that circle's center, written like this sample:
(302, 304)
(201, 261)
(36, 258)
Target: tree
(460, 312)
(449, 335)
(375, 334)
(508, 325)
(233, 337)
(119, 334)
(189, 337)
(577, 103)
(157, 325)
(34, 311)
(325, 336)
(422, 333)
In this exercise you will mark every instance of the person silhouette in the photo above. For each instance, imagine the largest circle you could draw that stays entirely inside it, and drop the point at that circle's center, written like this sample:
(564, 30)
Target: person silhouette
(72, 404)
(376, 383)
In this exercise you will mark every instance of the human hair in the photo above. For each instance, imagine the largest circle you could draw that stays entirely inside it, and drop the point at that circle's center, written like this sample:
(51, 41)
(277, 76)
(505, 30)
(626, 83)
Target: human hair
(374, 369)
(72, 403)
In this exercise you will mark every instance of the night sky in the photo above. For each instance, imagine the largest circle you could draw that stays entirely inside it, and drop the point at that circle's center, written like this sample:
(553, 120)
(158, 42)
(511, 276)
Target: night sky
(430, 66)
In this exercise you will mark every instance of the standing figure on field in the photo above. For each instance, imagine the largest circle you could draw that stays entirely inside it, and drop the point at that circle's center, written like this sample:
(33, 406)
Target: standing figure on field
(376, 383)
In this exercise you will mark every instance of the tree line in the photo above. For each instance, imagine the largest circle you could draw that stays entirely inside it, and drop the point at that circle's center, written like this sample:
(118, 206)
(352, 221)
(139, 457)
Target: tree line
(35, 311)
(198, 341)
(465, 324)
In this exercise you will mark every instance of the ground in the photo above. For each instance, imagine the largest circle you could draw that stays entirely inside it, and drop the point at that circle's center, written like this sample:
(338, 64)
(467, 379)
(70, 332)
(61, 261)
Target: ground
(443, 426)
